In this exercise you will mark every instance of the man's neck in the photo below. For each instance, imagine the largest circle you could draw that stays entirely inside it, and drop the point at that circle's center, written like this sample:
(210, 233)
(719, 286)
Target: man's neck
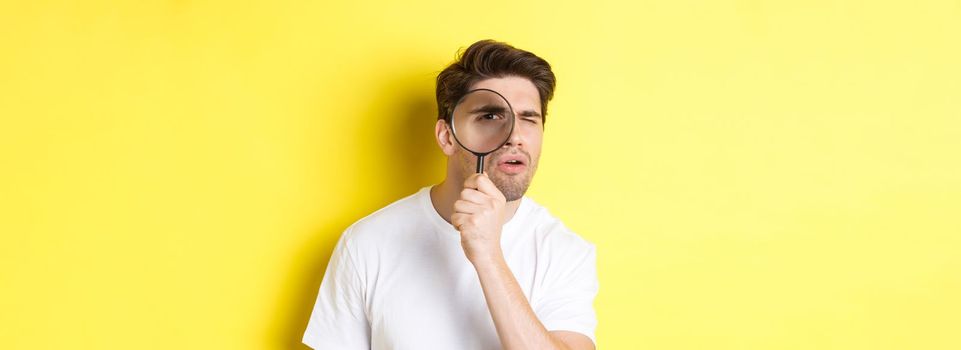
(444, 194)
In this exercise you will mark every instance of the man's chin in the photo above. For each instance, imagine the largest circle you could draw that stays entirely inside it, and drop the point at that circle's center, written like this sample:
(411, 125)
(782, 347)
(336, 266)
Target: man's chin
(512, 186)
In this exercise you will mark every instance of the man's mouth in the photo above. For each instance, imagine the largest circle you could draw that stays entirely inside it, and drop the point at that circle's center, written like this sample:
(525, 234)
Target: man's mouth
(511, 164)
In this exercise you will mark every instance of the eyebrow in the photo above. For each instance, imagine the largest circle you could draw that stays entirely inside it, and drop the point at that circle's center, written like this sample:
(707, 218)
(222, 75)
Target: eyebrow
(529, 113)
(500, 109)
(488, 109)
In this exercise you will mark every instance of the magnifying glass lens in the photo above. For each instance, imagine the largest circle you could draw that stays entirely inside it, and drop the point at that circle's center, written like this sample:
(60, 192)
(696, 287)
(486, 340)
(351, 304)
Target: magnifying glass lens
(482, 121)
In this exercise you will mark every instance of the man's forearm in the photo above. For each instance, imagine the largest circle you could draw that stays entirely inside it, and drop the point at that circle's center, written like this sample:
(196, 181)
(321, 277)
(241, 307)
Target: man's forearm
(517, 325)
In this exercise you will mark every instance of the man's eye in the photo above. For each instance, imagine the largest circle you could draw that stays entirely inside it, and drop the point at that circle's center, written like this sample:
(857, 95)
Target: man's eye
(532, 120)
(490, 116)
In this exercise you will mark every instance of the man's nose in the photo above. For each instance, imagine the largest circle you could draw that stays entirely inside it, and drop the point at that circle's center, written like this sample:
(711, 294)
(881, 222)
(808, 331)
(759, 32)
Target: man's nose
(516, 139)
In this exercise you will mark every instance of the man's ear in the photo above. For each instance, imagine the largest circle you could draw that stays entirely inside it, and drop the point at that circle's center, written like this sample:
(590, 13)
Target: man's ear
(444, 138)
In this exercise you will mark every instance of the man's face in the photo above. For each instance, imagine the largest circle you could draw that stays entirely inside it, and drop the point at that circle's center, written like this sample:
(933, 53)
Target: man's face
(512, 167)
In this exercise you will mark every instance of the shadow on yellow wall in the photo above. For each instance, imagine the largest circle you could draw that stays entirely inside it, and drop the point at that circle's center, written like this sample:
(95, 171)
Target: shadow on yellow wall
(407, 159)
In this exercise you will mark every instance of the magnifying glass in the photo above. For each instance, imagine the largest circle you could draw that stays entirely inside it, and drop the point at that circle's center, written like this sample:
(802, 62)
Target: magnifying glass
(482, 122)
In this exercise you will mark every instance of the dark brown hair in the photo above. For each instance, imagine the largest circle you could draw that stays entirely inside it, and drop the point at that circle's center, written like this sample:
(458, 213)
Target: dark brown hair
(491, 59)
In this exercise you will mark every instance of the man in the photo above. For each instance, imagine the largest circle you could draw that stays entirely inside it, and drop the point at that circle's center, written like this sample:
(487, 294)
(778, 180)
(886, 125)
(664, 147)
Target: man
(470, 263)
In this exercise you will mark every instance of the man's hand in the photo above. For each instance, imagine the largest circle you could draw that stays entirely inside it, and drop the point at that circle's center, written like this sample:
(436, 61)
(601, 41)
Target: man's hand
(479, 215)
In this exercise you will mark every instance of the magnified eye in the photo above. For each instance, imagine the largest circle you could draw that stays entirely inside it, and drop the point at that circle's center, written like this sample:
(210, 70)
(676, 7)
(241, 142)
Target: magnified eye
(490, 116)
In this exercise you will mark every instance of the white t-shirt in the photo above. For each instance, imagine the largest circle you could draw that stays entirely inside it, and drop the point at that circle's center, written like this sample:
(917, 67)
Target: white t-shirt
(399, 279)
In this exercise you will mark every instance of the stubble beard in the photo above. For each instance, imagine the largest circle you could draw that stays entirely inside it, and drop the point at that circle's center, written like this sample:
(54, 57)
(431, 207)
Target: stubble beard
(512, 186)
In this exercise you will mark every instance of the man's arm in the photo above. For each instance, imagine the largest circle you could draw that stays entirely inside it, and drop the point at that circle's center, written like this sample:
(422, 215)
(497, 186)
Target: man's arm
(515, 321)
(338, 320)
(478, 215)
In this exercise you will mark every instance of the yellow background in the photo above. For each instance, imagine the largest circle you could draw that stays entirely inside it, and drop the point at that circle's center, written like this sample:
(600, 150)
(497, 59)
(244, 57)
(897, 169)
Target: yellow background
(755, 175)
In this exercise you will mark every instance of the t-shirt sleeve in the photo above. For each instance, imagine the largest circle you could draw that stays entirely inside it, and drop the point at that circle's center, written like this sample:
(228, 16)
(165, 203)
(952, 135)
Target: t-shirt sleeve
(339, 320)
(568, 302)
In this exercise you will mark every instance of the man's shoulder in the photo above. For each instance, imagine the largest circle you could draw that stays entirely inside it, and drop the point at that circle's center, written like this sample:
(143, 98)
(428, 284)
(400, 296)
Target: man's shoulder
(399, 216)
(552, 232)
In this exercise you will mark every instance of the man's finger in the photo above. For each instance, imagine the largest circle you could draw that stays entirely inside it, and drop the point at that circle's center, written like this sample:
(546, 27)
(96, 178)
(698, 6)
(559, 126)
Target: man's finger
(471, 181)
(457, 219)
(485, 185)
(462, 206)
(472, 195)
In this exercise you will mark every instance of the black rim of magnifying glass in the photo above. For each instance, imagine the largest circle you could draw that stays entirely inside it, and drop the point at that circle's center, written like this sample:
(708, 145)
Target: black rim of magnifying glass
(480, 156)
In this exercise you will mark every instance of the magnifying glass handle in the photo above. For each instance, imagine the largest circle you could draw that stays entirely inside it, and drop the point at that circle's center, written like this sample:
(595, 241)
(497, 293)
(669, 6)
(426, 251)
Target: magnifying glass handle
(480, 164)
